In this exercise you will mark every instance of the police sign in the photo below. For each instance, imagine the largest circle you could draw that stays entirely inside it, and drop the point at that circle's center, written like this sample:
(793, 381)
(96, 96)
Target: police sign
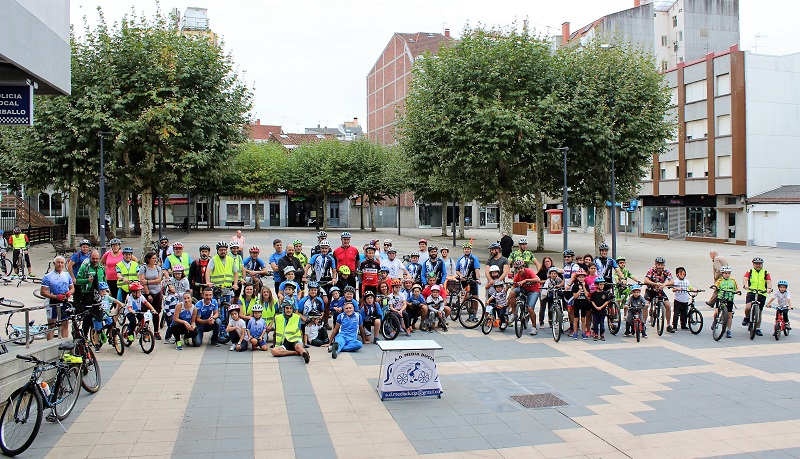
(16, 105)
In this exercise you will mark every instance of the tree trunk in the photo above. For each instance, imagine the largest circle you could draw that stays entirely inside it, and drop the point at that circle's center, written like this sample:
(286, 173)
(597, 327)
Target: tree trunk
(126, 214)
(363, 198)
(258, 223)
(94, 220)
(506, 213)
(461, 219)
(211, 213)
(372, 215)
(444, 219)
(325, 212)
(147, 222)
(72, 216)
(599, 222)
(137, 217)
(540, 222)
(112, 210)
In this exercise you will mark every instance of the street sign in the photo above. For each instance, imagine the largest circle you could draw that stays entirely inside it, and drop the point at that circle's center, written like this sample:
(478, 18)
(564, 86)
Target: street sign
(16, 105)
(626, 204)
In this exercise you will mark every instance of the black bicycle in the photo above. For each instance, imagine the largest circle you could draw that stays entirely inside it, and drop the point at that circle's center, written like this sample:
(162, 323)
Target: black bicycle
(469, 309)
(22, 415)
(90, 368)
(559, 322)
(658, 312)
(694, 318)
(720, 323)
(755, 311)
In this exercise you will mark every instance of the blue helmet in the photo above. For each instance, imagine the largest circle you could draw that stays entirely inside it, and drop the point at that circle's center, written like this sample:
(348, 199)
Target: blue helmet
(102, 286)
(599, 280)
(636, 287)
(346, 234)
(783, 282)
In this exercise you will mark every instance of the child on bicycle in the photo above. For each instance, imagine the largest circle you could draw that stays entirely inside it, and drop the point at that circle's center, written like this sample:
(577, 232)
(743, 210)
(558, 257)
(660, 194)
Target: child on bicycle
(599, 300)
(635, 302)
(681, 287)
(257, 329)
(726, 287)
(437, 311)
(497, 290)
(134, 304)
(783, 301)
(553, 282)
(107, 302)
(236, 328)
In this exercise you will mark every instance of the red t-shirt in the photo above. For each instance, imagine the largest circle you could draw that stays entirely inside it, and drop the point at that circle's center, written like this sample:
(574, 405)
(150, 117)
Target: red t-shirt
(528, 273)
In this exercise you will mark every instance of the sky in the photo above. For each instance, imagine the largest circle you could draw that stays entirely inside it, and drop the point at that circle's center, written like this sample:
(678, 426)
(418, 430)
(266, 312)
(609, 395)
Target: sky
(307, 60)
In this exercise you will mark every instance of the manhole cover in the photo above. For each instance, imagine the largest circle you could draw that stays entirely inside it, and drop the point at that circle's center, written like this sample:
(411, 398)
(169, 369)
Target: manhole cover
(539, 400)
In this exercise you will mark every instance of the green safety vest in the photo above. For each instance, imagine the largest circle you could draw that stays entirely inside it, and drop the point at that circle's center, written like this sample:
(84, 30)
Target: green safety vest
(270, 310)
(287, 331)
(18, 241)
(527, 256)
(758, 280)
(222, 274)
(130, 274)
(183, 261)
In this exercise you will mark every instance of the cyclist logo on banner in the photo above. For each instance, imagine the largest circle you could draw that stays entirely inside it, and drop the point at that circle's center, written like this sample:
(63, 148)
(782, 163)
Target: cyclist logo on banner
(411, 374)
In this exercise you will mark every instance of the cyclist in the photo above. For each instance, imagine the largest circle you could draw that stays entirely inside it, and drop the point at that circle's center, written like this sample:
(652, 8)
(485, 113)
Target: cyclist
(311, 302)
(397, 305)
(495, 259)
(497, 292)
(76, 260)
(236, 327)
(321, 236)
(257, 329)
(570, 273)
(726, 287)
(197, 271)
(90, 274)
(346, 278)
(681, 287)
(235, 252)
(152, 277)
(526, 279)
(127, 272)
(300, 256)
(415, 304)
(322, 265)
(183, 324)
(384, 255)
(433, 264)
(372, 317)
(134, 308)
(164, 250)
(553, 282)
(522, 253)
(448, 264)
(20, 243)
(635, 301)
(413, 268)
(277, 274)
(207, 318)
(656, 279)
(110, 260)
(607, 267)
(289, 260)
(468, 265)
(253, 268)
(346, 254)
(393, 264)
(57, 287)
(436, 307)
(177, 257)
(758, 283)
(247, 300)
(783, 301)
(222, 272)
(369, 269)
(288, 336)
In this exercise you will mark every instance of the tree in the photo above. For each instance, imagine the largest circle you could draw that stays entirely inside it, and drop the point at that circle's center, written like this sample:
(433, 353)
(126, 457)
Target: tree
(323, 173)
(474, 113)
(617, 101)
(377, 172)
(256, 170)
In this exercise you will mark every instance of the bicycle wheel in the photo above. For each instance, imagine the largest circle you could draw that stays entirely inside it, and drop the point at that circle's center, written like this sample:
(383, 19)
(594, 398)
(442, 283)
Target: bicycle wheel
(5, 268)
(91, 371)
(390, 326)
(753, 320)
(613, 319)
(652, 316)
(18, 337)
(163, 320)
(117, 342)
(720, 323)
(660, 319)
(519, 321)
(487, 323)
(471, 313)
(38, 294)
(454, 306)
(637, 325)
(66, 392)
(695, 320)
(147, 341)
(777, 331)
(21, 420)
(558, 314)
(785, 330)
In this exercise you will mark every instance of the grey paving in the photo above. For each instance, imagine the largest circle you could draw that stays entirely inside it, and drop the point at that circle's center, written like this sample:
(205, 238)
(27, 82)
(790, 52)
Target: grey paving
(772, 364)
(309, 433)
(652, 358)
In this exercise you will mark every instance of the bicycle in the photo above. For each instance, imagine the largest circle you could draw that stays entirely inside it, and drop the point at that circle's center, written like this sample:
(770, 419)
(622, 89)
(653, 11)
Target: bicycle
(470, 310)
(780, 323)
(142, 331)
(694, 318)
(522, 315)
(638, 323)
(493, 314)
(5, 264)
(112, 335)
(720, 323)
(755, 312)
(17, 333)
(613, 316)
(90, 369)
(658, 312)
(222, 321)
(391, 322)
(559, 322)
(22, 415)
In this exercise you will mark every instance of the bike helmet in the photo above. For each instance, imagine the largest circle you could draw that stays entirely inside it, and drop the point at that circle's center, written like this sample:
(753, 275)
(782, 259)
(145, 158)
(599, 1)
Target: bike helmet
(135, 287)
(255, 249)
(322, 235)
(758, 260)
(391, 250)
(236, 307)
(600, 280)
(435, 288)
(422, 241)
(288, 269)
(388, 241)
(259, 307)
(580, 272)
(395, 282)
(283, 305)
(494, 268)
(444, 248)
(660, 260)
(177, 245)
(164, 238)
(519, 264)
(344, 270)
(313, 284)
(291, 284)
(431, 275)
(177, 269)
(127, 250)
(415, 254)
(432, 248)
(324, 244)
(369, 293)
(636, 287)
(523, 240)
(553, 269)
(569, 253)
(297, 242)
(783, 283)
(603, 246)
(369, 247)
(620, 259)
(222, 245)
(384, 269)
(83, 241)
(102, 285)
(115, 241)
(346, 235)
(234, 245)
(416, 287)
(726, 269)
(334, 289)
(466, 245)
(350, 289)
(408, 280)
(205, 247)
(494, 245)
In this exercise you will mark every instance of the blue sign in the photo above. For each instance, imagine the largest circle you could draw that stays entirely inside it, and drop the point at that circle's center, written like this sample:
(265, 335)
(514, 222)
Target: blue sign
(16, 105)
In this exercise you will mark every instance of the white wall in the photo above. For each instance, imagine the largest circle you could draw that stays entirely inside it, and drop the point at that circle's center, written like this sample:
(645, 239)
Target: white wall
(786, 235)
(773, 117)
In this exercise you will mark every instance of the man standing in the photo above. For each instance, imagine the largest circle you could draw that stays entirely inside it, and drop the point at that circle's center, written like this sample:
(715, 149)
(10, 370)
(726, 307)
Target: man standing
(290, 260)
(197, 271)
(495, 259)
(90, 275)
(164, 249)
(238, 238)
(177, 257)
(717, 262)
(433, 265)
(223, 272)
(321, 236)
(57, 286)
(525, 255)
(277, 274)
(346, 255)
(77, 259)
(20, 243)
(423, 251)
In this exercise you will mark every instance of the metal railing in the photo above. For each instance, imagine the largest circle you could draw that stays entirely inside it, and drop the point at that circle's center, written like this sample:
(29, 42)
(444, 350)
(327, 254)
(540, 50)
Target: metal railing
(26, 310)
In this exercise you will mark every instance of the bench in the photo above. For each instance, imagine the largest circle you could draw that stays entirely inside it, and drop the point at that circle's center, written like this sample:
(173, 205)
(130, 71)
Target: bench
(61, 248)
(234, 223)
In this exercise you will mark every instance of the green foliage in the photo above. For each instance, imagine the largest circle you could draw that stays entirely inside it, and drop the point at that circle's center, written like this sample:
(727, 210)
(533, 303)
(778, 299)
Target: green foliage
(258, 169)
(376, 171)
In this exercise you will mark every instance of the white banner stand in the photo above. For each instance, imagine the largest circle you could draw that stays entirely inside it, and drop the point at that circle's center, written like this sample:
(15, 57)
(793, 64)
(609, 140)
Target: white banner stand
(408, 369)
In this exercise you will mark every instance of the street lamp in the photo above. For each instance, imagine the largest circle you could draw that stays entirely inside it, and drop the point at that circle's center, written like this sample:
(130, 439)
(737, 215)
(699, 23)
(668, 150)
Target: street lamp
(565, 213)
(101, 134)
(613, 173)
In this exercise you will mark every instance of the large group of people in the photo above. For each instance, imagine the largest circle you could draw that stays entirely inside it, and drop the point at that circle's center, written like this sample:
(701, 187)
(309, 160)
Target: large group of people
(337, 297)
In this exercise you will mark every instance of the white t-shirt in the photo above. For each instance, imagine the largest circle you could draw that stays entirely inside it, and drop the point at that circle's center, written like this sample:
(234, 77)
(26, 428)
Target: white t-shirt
(312, 331)
(682, 284)
(782, 298)
(237, 323)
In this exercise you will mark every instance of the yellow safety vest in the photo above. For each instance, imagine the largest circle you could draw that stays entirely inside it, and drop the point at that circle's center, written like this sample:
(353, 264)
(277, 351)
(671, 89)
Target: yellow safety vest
(291, 332)
(130, 274)
(222, 274)
(183, 261)
(758, 280)
(18, 241)
(270, 310)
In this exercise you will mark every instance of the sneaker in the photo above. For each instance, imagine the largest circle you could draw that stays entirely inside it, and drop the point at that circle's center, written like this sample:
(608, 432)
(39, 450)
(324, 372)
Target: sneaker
(306, 357)
(169, 341)
(570, 331)
(787, 326)
(334, 350)
(430, 329)
(670, 329)
(595, 337)
(158, 336)
(584, 336)
(684, 327)
(541, 324)
(602, 337)
(306, 346)
(745, 321)
(444, 327)
(644, 334)
(627, 333)
(97, 347)
(31, 274)
(130, 338)
(535, 331)
(728, 334)
(179, 345)
(574, 336)
(758, 332)
(233, 347)
(214, 343)
(408, 333)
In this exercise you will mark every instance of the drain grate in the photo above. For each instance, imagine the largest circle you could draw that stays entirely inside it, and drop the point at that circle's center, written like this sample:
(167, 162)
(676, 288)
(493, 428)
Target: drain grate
(546, 400)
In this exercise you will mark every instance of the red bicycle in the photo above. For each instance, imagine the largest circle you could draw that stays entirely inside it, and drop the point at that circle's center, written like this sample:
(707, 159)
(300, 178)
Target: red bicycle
(780, 323)
(638, 325)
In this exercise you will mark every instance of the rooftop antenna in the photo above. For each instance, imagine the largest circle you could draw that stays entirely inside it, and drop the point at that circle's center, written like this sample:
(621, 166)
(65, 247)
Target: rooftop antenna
(755, 44)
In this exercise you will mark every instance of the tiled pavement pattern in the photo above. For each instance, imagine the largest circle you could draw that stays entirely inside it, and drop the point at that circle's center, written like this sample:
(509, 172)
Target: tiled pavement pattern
(673, 396)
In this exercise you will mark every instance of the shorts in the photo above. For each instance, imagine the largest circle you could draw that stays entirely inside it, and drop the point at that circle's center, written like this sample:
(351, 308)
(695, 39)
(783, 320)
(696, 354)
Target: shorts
(52, 311)
(751, 297)
(261, 342)
(650, 294)
(728, 304)
(530, 297)
(98, 325)
(582, 308)
(288, 345)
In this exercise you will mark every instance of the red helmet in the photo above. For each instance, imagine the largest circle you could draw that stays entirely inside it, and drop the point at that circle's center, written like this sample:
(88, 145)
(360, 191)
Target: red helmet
(177, 245)
(395, 282)
(135, 286)
(255, 249)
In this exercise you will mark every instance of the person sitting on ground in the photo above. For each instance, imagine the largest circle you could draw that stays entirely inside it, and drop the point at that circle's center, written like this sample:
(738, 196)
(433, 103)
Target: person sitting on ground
(183, 326)
(349, 325)
(315, 334)
(288, 337)
(372, 317)
(437, 311)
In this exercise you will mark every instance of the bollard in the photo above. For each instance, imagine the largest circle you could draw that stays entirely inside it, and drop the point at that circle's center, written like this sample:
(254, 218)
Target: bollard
(27, 329)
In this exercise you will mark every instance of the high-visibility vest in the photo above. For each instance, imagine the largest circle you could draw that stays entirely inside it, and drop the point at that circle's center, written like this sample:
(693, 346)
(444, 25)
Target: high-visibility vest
(222, 274)
(287, 331)
(758, 280)
(130, 274)
(183, 261)
(18, 241)
(270, 310)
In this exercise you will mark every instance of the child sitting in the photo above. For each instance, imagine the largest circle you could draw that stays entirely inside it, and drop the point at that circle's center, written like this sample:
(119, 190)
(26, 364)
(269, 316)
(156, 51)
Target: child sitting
(315, 334)
(349, 325)
(257, 329)
(288, 294)
(236, 328)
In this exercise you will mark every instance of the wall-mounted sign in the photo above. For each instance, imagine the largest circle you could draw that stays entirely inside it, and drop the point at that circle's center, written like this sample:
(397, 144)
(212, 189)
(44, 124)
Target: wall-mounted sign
(16, 105)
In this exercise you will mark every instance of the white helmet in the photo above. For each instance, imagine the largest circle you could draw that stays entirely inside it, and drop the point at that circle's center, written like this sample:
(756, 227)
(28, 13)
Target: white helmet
(494, 268)
(523, 240)
(726, 269)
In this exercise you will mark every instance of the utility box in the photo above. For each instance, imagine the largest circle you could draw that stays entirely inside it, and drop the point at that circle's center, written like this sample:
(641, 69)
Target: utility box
(555, 217)
(520, 228)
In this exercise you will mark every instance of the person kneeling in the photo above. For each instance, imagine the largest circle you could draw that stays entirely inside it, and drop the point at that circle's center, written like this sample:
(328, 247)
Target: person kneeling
(349, 325)
(288, 336)
(236, 328)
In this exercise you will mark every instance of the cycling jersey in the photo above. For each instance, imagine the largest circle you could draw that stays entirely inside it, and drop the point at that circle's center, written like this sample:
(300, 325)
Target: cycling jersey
(726, 288)
(433, 266)
(205, 311)
(467, 265)
(605, 266)
(369, 272)
(525, 255)
(415, 271)
(569, 268)
(309, 303)
(323, 266)
(346, 256)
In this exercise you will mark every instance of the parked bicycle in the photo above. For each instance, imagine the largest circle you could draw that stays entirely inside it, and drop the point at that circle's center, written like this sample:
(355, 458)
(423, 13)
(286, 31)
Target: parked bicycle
(391, 323)
(222, 322)
(17, 333)
(22, 415)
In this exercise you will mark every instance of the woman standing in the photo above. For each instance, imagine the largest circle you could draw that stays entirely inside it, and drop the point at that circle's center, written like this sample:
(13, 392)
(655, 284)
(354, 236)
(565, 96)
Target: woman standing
(110, 260)
(151, 277)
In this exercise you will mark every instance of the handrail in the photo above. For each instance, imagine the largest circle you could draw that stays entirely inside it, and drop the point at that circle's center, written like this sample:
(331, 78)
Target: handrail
(13, 309)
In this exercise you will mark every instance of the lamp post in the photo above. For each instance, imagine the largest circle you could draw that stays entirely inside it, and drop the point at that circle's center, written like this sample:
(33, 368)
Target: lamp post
(565, 213)
(613, 173)
(102, 135)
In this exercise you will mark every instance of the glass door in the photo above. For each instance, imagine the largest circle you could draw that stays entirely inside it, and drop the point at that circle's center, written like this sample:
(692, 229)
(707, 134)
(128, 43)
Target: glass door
(274, 214)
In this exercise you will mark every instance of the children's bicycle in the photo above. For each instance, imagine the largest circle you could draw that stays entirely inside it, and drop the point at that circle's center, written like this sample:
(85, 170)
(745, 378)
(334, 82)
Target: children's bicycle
(109, 333)
(143, 333)
(780, 322)
(494, 316)
(720, 323)
(638, 323)
(16, 333)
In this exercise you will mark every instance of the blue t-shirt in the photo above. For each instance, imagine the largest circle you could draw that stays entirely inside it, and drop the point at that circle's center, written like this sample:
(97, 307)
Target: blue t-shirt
(78, 258)
(57, 283)
(307, 304)
(276, 274)
(205, 311)
(348, 325)
(253, 264)
(256, 327)
(296, 287)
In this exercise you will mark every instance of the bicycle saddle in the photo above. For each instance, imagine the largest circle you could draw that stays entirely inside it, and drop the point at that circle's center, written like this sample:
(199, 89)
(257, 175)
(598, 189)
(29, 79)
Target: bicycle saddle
(66, 346)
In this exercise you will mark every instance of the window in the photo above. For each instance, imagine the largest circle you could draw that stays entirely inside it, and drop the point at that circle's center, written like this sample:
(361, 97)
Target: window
(56, 207)
(723, 166)
(680, 35)
(696, 168)
(669, 170)
(697, 129)
(674, 21)
(83, 210)
(232, 212)
(723, 125)
(664, 40)
(695, 91)
(44, 204)
(723, 84)
(654, 220)
(701, 221)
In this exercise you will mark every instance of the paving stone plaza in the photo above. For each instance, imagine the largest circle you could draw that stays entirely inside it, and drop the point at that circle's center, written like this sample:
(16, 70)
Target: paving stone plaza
(677, 395)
